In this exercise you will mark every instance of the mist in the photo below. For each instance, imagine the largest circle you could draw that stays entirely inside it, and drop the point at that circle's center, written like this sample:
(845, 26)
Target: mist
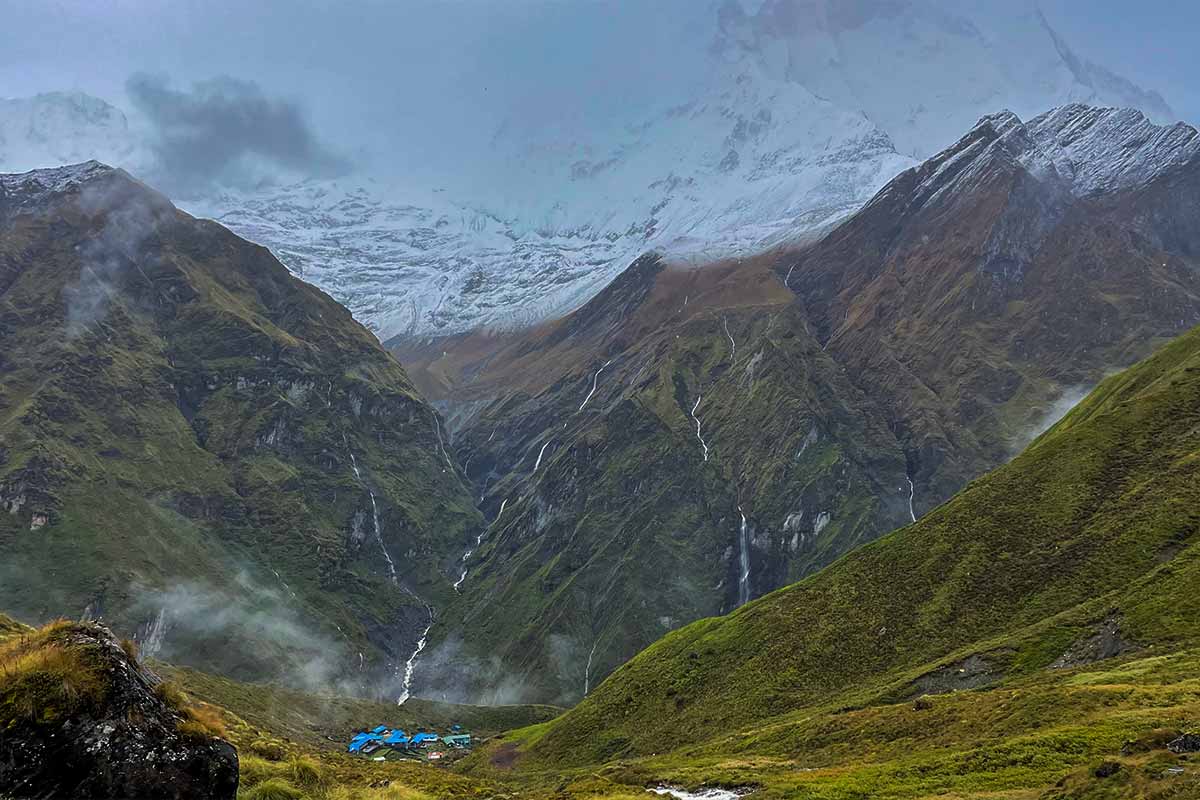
(250, 629)
(1047, 418)
(105, 257)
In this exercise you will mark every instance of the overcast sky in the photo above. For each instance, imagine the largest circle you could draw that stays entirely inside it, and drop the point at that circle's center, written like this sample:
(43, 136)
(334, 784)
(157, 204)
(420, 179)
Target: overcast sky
(394, 76)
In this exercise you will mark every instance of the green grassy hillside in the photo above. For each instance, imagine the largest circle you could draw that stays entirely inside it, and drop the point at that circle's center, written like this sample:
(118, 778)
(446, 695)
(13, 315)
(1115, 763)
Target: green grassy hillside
(198, 447)
(1083, 548)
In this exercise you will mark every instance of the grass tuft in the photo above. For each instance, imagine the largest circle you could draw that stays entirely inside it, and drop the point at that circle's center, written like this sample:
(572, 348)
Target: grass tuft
(272, 789)
(43, 678)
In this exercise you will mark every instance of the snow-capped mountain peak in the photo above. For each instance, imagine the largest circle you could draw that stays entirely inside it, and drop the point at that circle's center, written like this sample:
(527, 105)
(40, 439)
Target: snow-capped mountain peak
(783, 117)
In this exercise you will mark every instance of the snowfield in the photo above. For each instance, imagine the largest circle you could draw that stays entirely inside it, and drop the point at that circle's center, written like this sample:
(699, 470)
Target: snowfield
(781, 130)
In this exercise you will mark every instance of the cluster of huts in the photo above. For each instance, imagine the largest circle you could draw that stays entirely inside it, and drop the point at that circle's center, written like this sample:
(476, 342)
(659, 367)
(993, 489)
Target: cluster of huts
(383, 743)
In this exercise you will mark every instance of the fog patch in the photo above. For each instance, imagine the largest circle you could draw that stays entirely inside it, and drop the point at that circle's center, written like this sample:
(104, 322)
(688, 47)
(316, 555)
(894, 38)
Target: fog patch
(1059, 408)
(448, 674)
(248, 630)
(127, 222)
(227, 131)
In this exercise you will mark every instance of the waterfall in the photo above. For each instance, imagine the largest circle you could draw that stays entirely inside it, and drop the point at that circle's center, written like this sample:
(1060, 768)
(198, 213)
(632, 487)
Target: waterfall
(789, 276)
(541, 453)
(744, 574)
(478, 541)
(375, 517)
(411, 665)
(587, 671)
(595, 380)
(912, 490)
(697, 419)
(733, 344)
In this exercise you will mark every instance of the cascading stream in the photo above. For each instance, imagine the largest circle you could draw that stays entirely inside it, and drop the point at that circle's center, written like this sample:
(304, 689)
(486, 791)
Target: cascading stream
(595, 381)
(697, 420)
(156, 634)
(912, 490)
(744, 572)
(375, 520)
(437, 427)
(541, 453)
(478, 541)
(410, 666)
(587, 671)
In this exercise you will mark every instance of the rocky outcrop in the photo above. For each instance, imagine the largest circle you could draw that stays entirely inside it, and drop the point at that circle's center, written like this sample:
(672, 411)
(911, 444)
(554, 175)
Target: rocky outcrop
(119, 737)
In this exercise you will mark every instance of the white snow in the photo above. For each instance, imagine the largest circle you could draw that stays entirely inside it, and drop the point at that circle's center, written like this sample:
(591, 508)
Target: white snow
(763, 132)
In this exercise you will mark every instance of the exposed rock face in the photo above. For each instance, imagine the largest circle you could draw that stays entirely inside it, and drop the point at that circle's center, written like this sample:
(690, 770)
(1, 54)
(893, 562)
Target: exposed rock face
(128, 746)
(1106, 641)
(828, 393)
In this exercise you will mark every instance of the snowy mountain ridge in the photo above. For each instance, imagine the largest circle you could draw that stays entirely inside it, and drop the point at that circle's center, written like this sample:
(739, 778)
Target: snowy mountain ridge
(799, 111)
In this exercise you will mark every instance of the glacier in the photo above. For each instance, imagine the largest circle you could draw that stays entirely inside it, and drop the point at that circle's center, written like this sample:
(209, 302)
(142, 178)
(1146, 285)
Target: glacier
(783, 117)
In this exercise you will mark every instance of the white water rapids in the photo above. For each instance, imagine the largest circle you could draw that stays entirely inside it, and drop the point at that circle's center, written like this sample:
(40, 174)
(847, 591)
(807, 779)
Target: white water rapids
(411, 665)
(703, 794)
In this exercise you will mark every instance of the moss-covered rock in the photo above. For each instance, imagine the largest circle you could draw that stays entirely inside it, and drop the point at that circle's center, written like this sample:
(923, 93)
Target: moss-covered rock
(80, 718)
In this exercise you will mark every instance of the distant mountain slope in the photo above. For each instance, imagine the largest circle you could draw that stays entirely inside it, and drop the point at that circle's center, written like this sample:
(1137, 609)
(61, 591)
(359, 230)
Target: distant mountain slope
(1082, 548)
(764, 121)
(199, 447)
(693, 437)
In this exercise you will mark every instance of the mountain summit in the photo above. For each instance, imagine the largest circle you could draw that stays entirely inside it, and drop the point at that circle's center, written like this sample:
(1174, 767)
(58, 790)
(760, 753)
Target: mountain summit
(766, 122)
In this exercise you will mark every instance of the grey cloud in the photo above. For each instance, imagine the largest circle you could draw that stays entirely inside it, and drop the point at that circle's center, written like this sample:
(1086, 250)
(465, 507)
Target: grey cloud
(227, 130)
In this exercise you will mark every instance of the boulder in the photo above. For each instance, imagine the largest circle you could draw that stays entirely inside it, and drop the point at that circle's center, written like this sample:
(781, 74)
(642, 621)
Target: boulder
(81, 718)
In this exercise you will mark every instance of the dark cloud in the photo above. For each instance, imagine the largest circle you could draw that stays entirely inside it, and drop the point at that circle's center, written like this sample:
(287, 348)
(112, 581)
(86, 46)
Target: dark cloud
(227, 131)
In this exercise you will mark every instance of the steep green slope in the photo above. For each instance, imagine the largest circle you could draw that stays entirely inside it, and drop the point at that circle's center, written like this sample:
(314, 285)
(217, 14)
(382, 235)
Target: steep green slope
(197, 446)
(1081, 548)
(843, 388)
(620, 522)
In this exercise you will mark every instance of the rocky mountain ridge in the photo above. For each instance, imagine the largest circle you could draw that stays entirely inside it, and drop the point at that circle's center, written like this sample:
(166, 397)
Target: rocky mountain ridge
(695, 436)
(767, 124)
